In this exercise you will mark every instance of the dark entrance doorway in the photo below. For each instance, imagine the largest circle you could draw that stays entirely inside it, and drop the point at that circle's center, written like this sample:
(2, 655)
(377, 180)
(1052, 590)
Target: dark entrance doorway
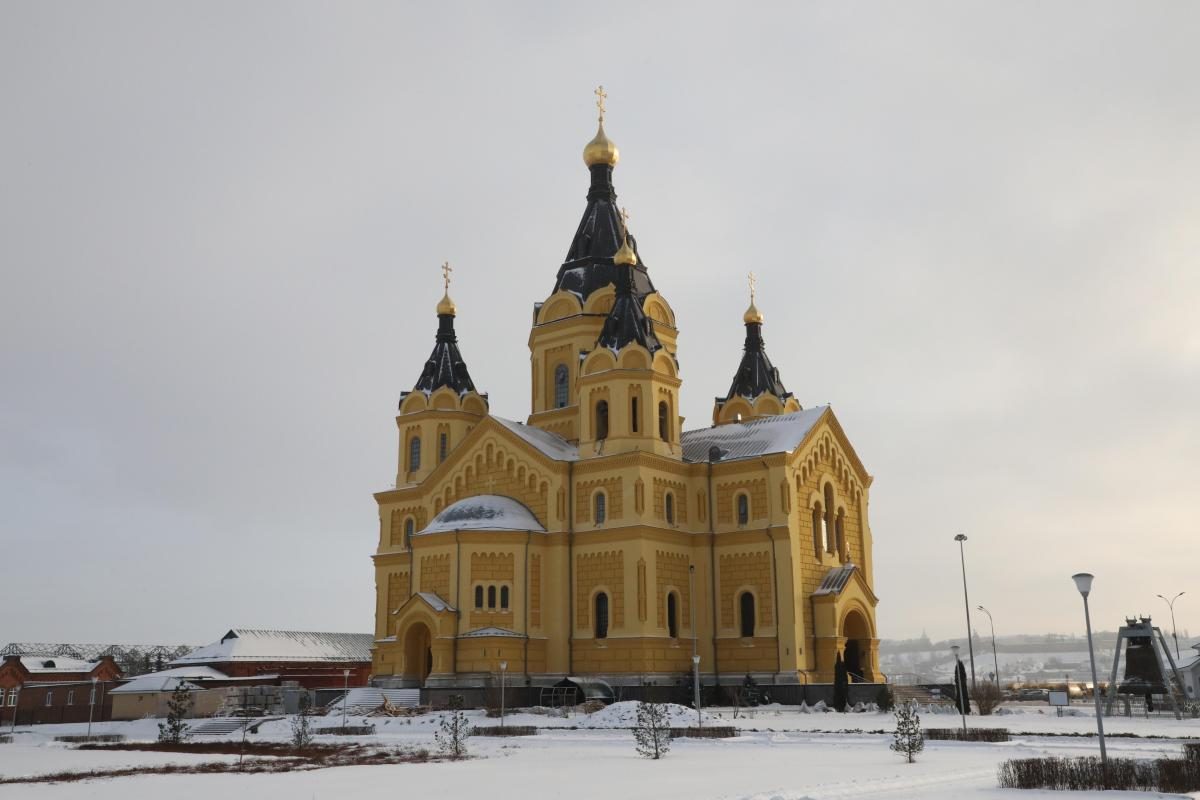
(418, 653)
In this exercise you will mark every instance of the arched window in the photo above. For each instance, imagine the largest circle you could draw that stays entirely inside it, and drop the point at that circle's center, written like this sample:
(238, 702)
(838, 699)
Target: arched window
(491, 597)
(601, 616)
(504, 597)
(672, 616)
(602, 419)
(443, 446)
(600, 509)
(830, 518)
(818, 525)
(669, 503)
(743, 509)
(414, 454)
(663, 423)
(840, 535)
(408, 531)
(746, 611)
(479, 597)
(633, 414)
(561, 386)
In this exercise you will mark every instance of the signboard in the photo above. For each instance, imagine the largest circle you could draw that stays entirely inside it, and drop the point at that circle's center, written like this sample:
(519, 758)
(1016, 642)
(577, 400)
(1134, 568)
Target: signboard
(1060, 699)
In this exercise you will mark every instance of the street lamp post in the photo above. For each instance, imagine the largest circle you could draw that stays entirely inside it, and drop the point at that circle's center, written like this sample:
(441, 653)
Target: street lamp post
(1171, 605)
(695, 638)
(960, 538)
(345, 696)
(1083, 582)
(91, 707)
(995, 658)
(503, 670)
(959, 688)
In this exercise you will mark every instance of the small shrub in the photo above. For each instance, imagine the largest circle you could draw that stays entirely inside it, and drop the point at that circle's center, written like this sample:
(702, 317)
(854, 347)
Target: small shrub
(592, 706)
(987, 697)
(453, 732)
(652, 734)
(1084, 774)
(969, 735)
(908, 739)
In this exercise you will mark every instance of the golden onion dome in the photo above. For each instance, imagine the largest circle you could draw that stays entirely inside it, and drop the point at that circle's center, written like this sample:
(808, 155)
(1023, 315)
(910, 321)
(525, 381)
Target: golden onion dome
(752, 315)
(446, 306)
(601, 150)
(625, 254)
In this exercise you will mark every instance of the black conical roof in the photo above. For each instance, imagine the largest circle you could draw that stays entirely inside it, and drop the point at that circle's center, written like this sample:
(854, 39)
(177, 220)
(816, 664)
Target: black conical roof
(627, 322)
(589, 263)
(445, 366)
(756, 374)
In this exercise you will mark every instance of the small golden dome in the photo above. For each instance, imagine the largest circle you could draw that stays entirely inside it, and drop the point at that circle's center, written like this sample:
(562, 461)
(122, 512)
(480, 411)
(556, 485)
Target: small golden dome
(601, 150)
(752, 315)
(446, 306)
(625, 254)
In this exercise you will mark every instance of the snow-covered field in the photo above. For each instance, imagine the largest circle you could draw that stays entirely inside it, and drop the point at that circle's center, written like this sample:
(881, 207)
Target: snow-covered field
(780, 753)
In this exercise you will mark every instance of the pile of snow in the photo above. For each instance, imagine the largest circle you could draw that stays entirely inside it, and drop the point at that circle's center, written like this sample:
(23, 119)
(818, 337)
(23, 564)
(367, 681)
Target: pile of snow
(624, 715)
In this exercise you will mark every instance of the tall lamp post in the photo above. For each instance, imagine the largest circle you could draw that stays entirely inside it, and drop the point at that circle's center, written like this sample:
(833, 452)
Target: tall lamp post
(503, 671)
(695, 638)
(962, 537)
(1083, 582)
(1171, 605)
(959, 688)
(345, 696)
(995, 658)
(91, 706)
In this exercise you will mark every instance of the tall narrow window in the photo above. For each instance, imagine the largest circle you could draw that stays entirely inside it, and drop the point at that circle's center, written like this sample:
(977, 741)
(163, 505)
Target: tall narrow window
(414, 454)
(408, 532)
(601, 616)
(491, 597)
(818, 525)
(830, 518)
(504, 597)
(70, 697)
(633, 414)
(663, 424)
(479, 597)
(840, 536)
(746, 609)
(672, 616)
(743, 509)
(443, 446)
(602, 419)
(561, 386)
(49, 698)
(600, 509)
(669, 507)
(12, 696)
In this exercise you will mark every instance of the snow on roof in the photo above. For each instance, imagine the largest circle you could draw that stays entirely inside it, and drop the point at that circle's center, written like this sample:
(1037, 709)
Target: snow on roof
(168, 679)
(782, 433)
(50, 664)
(438, 603)
(254, 644)
(835, 580)
(549, 444)
(489, 631)
(489, 512)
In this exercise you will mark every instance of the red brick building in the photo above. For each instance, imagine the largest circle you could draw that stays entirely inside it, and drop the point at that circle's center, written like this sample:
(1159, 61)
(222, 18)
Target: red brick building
(314, 660)
(41, 689)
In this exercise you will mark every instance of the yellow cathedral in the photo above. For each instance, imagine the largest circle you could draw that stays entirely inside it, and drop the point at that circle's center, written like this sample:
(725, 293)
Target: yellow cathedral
(598, 538)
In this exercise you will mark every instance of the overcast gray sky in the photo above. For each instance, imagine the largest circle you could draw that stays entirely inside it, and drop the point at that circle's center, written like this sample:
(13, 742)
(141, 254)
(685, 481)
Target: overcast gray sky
(975, 226)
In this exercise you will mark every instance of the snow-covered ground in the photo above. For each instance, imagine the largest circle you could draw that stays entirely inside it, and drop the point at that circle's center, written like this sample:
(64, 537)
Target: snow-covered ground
(781, 753)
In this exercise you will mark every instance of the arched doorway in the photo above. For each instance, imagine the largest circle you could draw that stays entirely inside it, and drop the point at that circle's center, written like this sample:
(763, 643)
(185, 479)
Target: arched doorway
(857, 654)
(418, 652)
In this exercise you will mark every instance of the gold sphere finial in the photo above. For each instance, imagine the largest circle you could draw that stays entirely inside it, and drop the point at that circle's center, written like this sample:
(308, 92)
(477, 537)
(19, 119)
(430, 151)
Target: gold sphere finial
(752, 315)
(446, 305)
(601, 150)
(625, 254)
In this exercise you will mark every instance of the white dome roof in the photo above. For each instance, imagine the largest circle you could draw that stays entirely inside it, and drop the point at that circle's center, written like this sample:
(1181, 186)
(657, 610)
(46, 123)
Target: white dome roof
(484, 512)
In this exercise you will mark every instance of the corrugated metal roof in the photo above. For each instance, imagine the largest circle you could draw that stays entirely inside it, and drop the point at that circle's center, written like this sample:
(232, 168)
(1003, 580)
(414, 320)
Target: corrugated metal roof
(549, 444)
(782, 433)
(257, 644)
(835, 580)
(487, 512)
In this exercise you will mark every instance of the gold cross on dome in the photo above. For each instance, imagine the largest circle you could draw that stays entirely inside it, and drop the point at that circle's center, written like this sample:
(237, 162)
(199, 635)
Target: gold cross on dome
(625, 220)
(600, 96)
(753, 280)
(446, 270)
